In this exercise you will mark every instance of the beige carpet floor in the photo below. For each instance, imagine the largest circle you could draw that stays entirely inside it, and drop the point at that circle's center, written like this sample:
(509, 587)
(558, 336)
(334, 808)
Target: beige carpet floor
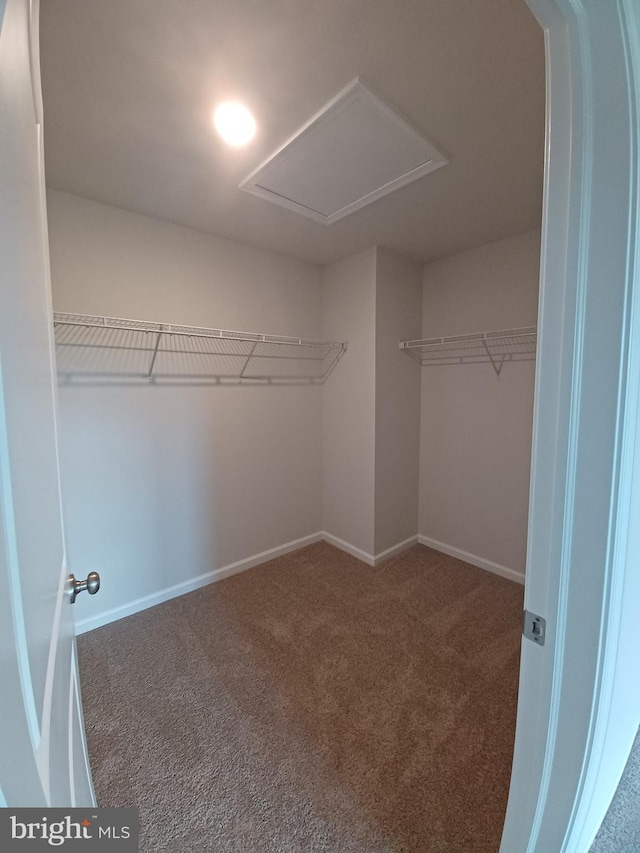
(312, 704)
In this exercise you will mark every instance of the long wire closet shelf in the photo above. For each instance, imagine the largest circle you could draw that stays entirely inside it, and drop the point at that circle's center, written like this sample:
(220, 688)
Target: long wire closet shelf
(112, 349)
(495, 348)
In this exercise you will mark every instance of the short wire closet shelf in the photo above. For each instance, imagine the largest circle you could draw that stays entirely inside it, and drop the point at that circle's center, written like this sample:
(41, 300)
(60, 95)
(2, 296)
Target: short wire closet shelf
(95, 349)
(495, 348)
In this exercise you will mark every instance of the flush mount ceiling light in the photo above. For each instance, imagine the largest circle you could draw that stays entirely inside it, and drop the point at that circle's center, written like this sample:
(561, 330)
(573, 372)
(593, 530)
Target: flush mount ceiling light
(234, 123)
(356, 150)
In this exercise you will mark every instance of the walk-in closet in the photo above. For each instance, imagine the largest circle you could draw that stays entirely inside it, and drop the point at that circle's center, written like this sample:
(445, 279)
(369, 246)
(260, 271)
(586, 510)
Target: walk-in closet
(295, 382)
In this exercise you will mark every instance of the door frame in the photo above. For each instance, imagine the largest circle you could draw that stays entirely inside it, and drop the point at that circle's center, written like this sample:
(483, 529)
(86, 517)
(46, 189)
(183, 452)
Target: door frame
(579, 706)
(579, 696)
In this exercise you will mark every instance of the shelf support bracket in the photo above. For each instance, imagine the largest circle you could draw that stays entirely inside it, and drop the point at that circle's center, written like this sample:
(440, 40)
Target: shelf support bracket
(248, 358)
(343, 349)
(153, 357)
(496, 367)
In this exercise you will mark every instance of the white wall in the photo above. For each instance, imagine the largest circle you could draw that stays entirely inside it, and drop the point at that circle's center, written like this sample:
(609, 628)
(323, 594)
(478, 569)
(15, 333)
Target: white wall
(397, 421)
(475, 428)
(163, 484)
(371, 406)
(348, 411)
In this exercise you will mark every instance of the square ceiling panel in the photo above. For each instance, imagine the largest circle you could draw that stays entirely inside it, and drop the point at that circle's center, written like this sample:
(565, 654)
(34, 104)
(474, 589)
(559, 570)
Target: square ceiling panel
(354, 151)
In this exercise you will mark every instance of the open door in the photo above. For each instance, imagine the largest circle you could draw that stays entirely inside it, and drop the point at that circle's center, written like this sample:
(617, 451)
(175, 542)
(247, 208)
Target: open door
(43, 758)
(579, 698)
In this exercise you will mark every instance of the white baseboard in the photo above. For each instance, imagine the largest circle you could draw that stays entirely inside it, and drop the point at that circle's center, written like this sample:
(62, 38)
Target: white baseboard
(395, 549)
(480, 562)
(369, 559)
(349, 548)
(131, 607)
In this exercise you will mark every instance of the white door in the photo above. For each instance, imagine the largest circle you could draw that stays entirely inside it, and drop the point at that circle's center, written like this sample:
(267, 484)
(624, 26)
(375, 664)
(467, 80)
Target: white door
(579, 699)
(42, 746)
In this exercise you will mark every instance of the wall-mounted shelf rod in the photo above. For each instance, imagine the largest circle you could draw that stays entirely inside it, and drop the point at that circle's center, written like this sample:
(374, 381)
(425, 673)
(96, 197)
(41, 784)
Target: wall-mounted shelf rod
(496, 348)
(150, 350)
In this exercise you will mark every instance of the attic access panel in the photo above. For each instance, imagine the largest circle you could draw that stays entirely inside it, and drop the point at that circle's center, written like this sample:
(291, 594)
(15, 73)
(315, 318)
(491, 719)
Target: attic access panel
(355, 150)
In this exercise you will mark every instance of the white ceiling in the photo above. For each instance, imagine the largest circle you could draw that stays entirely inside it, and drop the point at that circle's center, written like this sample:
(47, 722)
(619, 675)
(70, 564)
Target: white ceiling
(130, 86)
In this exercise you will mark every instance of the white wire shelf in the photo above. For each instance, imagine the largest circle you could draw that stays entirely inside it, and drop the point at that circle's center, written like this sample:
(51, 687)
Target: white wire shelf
(97, 349)
(495, 348)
